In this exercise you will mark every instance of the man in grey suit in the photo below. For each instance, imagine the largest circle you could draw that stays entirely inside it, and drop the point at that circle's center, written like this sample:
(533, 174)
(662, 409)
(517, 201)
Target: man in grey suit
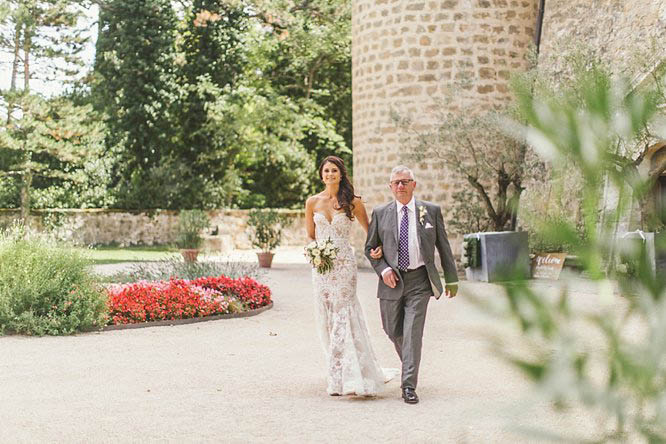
(409, 230)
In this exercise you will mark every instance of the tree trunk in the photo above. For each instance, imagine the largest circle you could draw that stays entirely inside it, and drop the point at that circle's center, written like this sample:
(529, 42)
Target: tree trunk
(27, 41)
(311, 76)
(26, 177)
(514, 205)
(15, 65)
(503, 206)
(490, 210)
(26, 183)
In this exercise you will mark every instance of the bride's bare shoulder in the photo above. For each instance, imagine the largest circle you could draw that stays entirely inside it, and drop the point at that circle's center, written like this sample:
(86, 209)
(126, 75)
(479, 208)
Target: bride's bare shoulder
(315, 198)
(312, 201)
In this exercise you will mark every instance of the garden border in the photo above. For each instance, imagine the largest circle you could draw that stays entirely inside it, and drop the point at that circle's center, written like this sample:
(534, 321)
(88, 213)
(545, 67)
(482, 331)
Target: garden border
(171, 322)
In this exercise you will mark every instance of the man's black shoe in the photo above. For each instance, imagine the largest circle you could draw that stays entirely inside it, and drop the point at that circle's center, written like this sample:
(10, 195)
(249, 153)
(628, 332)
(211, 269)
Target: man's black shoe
(409, 395)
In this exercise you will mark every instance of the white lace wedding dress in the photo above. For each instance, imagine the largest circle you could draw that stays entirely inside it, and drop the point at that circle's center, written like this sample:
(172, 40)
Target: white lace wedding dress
(352, 366)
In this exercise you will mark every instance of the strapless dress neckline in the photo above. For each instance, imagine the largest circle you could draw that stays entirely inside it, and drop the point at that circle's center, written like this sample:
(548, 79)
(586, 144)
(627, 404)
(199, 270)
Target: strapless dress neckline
(333, 218)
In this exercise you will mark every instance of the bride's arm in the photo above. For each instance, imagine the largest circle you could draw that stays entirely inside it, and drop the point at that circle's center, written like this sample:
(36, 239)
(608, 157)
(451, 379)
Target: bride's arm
(361, 214)
(309, 218)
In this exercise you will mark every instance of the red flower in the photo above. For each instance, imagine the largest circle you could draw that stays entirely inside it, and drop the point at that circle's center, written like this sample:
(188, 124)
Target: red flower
(180, 298)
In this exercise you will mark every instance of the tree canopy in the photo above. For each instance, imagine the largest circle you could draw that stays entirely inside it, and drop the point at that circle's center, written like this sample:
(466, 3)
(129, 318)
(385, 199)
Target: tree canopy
(200, 103)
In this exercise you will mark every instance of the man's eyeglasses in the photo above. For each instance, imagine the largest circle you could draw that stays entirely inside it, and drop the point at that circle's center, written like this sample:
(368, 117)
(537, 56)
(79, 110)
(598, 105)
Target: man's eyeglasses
(404, 182)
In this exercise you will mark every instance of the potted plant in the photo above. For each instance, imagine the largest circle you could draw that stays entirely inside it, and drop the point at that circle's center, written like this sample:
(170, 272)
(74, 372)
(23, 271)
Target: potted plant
(190, 225)
(266, 233)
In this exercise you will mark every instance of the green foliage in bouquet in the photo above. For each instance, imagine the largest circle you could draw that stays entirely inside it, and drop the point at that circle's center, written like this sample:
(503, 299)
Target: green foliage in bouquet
(321, 255)
(190, 225)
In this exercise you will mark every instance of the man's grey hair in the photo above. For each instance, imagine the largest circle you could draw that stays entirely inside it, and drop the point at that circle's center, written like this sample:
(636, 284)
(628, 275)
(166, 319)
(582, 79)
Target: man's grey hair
(402, 169)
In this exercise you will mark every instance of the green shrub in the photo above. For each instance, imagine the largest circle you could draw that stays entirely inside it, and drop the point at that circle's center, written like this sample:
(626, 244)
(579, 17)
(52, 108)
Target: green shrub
(545, 236)
(548, 205)
(46, 288)
(471, 254)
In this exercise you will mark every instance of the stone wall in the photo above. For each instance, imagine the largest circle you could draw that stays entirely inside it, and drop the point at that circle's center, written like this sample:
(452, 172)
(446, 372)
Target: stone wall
(621, 33)
(123, 228)
(628, 36)
(405, 54)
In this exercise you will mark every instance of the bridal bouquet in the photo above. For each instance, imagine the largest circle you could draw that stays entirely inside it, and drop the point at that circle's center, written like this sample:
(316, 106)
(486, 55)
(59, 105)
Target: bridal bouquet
(321, 255)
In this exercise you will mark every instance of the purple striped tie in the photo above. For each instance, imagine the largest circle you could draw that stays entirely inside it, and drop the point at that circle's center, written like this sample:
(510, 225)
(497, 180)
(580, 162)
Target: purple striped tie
(403, 243)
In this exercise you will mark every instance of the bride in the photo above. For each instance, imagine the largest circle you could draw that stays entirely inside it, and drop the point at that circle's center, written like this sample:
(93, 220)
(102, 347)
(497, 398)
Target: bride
(352, 365)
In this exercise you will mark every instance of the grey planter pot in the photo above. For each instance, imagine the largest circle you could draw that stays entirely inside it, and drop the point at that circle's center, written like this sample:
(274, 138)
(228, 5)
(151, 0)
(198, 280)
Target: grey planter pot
(656, 255)
(503, 254)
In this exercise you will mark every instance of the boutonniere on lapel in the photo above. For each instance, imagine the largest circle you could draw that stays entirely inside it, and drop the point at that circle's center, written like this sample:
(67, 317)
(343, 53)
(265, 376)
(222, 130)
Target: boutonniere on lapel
(422, 214)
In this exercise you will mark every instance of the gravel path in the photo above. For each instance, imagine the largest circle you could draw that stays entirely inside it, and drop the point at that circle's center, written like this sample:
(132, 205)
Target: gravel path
(262, 379)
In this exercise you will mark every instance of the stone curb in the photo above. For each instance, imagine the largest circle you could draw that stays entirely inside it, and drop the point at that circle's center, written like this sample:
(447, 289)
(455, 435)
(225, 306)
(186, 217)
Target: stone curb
(169, 322)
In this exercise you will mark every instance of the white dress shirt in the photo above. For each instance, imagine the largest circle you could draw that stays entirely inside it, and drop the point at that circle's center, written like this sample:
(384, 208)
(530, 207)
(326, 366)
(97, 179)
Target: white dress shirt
(415, 259)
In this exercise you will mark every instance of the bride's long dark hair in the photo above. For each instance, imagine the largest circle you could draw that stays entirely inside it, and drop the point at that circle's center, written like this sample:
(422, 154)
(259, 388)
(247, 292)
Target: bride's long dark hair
(345, 189)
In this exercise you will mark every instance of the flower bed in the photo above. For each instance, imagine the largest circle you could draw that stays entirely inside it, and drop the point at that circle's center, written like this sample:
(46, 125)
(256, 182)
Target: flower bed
(181, 299)
(247, 290)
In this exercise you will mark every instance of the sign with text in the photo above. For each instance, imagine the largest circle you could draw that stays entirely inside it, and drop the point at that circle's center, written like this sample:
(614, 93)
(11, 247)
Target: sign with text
(547, 265)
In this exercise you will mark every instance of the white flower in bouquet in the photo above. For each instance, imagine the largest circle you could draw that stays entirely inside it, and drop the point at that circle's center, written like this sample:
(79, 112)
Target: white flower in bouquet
(321, 255)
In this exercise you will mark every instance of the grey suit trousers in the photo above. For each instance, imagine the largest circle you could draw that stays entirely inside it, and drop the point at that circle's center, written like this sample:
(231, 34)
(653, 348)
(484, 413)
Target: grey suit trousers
(403, 320)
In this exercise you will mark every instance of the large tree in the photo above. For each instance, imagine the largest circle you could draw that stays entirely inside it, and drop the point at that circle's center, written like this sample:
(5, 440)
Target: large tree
(52, 143)
(232, 106)
(309, 58)
(264, 128)
(211, 58)
(40, 33)
(37, 133)
(135, 87)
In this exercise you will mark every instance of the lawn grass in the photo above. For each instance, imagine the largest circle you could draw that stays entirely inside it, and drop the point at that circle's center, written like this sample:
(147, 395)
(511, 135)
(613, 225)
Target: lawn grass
(116, 255)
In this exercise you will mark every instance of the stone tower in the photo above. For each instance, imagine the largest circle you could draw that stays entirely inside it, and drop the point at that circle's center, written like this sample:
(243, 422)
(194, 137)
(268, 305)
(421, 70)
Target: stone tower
(407, 52)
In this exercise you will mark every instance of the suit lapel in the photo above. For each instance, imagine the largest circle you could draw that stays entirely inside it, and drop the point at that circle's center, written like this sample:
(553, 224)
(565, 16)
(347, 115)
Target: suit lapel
(420, 231)
(393, 220)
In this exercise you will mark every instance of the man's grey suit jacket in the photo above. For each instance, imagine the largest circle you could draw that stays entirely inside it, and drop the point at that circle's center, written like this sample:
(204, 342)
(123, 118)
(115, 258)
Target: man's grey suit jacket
(383, 231)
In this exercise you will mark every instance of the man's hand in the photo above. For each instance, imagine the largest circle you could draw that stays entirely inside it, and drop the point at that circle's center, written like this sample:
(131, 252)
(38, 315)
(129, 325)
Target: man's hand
(390, 278)
(451, 290)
